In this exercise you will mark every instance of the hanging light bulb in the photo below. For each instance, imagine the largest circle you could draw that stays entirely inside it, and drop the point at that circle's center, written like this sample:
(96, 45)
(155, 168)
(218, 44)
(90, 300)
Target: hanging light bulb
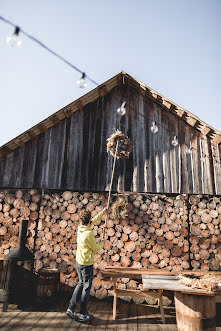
(174, 141)
(14, 40)
(188, 150)
(154, 127)
(82, 81)
(122, 110)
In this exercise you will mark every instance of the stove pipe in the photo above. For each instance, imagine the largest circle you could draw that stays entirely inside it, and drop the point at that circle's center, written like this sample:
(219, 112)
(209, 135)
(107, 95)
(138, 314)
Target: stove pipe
(21, 252)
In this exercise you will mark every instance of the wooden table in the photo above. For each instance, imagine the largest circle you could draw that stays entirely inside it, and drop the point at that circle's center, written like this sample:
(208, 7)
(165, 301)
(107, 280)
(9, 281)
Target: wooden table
(134, 273)
(155, 282)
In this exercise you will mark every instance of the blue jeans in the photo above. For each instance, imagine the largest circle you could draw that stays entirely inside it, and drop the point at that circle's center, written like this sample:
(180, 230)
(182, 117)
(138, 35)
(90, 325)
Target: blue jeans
(82, 290)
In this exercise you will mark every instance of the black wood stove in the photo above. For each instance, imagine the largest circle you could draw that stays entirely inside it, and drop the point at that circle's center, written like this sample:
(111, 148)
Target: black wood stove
(17, 285)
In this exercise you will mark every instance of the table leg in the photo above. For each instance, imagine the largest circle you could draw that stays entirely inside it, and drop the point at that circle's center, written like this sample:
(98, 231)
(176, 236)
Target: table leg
(161, 306)
(115, 299)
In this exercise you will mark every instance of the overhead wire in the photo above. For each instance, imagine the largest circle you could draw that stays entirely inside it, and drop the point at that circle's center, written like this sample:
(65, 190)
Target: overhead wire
(40, 43)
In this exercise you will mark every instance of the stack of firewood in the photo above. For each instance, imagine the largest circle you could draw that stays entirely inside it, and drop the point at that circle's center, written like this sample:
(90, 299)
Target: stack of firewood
(205, 232)
(14, 208)
(155, 234)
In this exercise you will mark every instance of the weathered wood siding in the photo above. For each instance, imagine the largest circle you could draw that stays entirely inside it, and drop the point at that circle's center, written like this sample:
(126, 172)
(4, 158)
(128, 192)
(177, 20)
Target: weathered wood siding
(72, 155)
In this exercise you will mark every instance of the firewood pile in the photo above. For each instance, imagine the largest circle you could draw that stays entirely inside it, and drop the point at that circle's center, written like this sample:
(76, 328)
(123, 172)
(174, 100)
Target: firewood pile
(205, 233)
(155, 232)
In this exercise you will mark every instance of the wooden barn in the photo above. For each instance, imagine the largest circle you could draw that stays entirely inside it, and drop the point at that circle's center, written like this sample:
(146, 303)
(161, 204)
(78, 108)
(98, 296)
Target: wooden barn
(68, 149)
(170, 184)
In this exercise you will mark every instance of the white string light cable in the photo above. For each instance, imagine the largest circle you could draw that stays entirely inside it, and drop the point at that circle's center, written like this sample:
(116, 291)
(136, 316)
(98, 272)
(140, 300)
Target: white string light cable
(15, 40)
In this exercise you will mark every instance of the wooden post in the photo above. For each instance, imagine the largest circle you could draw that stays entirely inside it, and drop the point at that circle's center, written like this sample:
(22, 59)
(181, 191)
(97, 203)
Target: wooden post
(115, 299)
(160, 303)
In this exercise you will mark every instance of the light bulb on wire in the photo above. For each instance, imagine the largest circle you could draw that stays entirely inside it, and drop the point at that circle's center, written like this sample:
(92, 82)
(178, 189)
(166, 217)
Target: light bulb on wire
(174, 141)
(154, 127)
(82, 81)
(122, 110)
(14, 40)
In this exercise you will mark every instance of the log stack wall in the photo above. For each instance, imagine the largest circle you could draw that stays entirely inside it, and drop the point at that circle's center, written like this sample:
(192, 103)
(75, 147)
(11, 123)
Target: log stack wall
(171, 232)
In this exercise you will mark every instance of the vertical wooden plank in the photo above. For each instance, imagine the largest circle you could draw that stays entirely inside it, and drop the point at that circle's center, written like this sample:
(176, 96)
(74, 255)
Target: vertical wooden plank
(8, 170)
(158, 147)
(166, 145)
(28, 169)
(45, 159)
(183, 131)
(202, 159)
(161, 306)
(147, 134)
(95, 143)
(105, 107)
(101, 144)
(135, 180)
(140, 142)
(211, 172)
(217, 168)
(115, 299)
(2, 169)
(195, 162)
(207, 180)
(191, 164)
(152, 151)
(74, 151)
(56, 155)
(39, 161)
(18, 165)
(174, 155)
(128, 181)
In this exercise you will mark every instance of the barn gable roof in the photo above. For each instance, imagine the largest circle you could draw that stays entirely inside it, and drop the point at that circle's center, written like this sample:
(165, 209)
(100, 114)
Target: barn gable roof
(100, 91)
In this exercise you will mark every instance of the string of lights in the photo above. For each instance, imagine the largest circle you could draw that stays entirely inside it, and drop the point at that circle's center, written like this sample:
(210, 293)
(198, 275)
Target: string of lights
(15, 40)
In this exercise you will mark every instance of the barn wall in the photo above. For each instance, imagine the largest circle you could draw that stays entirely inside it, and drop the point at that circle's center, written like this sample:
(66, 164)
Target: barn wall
(72, 155)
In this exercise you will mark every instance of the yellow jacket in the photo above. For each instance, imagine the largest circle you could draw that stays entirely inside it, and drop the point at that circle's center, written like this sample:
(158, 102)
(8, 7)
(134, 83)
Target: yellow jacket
(86, 244)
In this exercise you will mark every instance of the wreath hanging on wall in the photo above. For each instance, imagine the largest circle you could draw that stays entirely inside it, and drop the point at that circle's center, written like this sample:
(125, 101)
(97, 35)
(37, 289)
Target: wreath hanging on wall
(124, 146)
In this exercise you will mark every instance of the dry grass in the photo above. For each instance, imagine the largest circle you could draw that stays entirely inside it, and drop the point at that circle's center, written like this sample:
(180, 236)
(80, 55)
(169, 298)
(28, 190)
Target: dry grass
(208, 282)
(119, 209)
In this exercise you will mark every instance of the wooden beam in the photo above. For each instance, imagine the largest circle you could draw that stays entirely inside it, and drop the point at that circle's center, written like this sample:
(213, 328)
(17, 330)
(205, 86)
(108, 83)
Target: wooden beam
(217, 139)
(180, 112)
(42, 127)
(79, 104)
(5, 150)
(30, 134)
(18, 142)
(205, 130)
(191, 121)
(142, 90)
(159, 99)
(55, 120)
(102, 91)
(166, 103)
(153, 94)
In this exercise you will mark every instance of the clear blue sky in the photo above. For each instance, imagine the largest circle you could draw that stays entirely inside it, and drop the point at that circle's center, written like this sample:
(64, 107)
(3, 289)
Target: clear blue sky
(171, 45)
